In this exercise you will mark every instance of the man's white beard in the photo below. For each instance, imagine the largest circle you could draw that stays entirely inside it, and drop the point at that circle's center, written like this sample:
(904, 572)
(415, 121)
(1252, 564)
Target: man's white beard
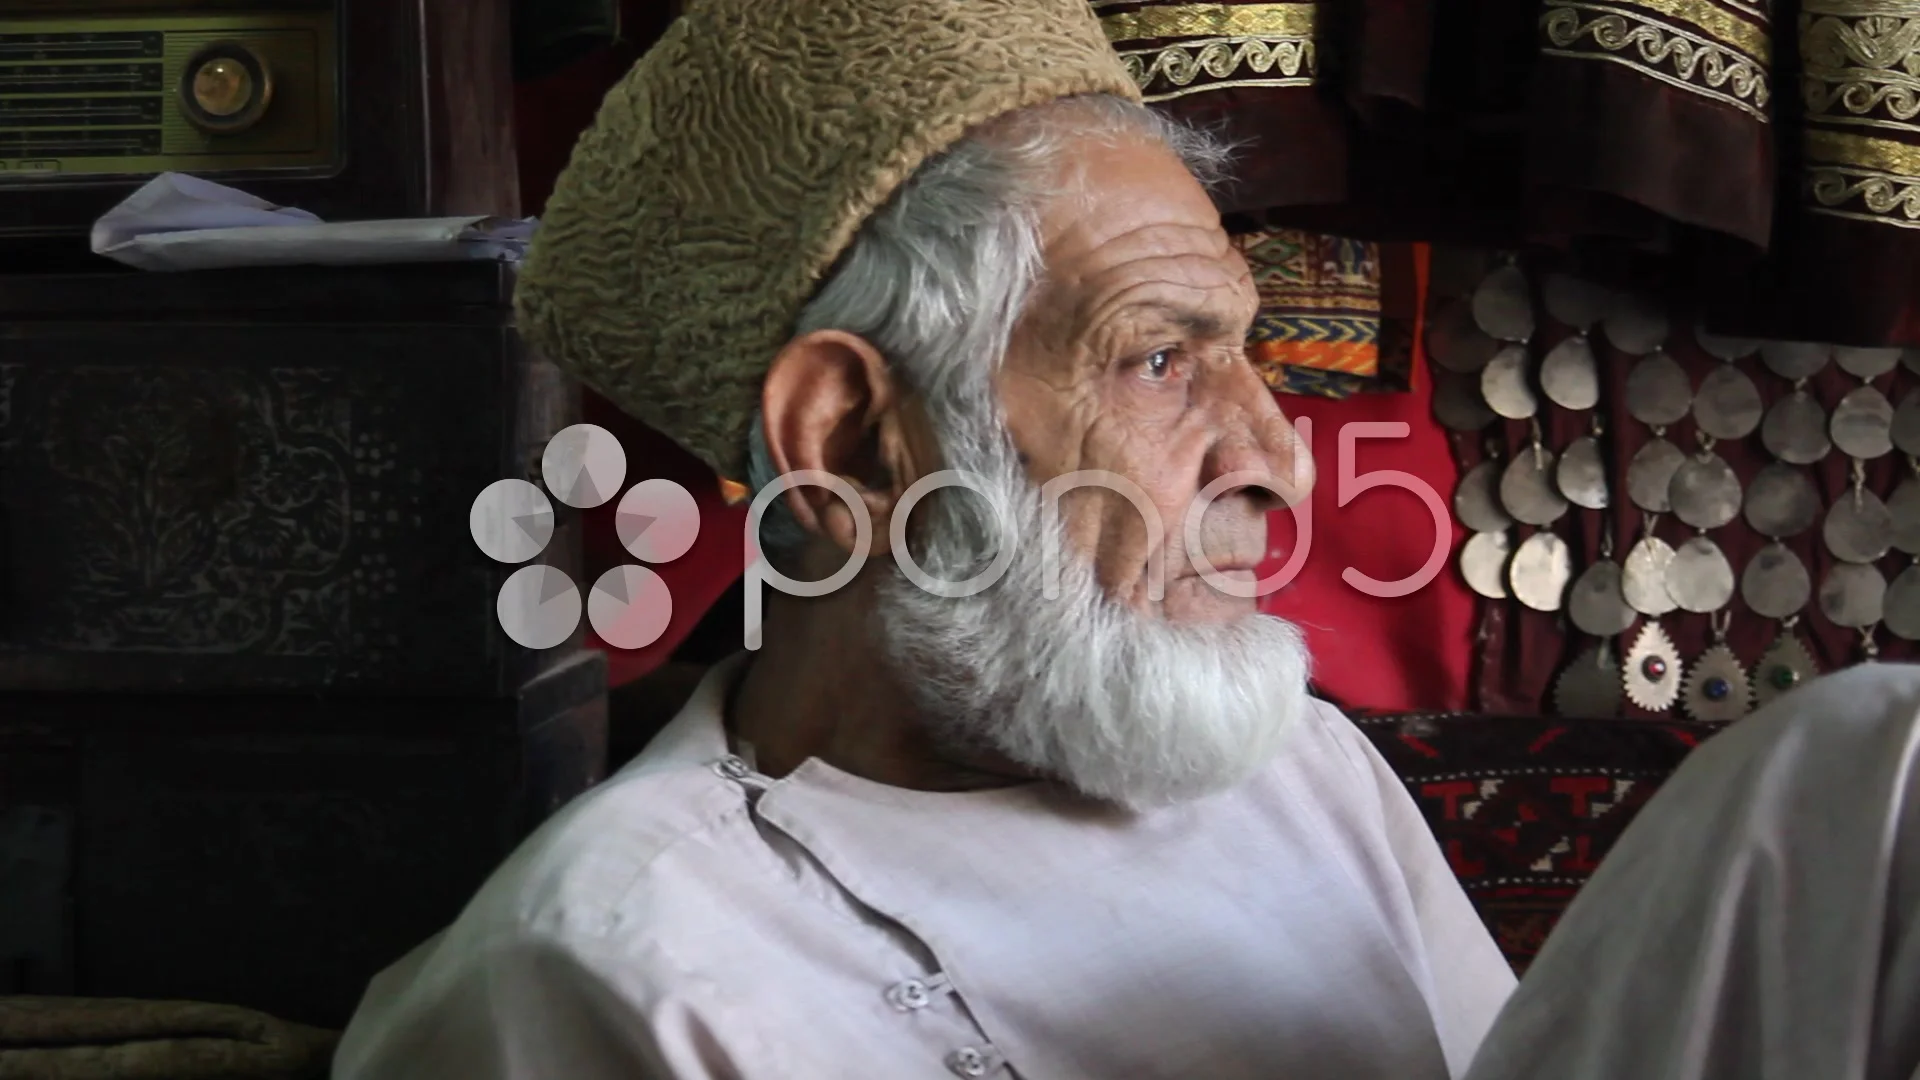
(1118, 704)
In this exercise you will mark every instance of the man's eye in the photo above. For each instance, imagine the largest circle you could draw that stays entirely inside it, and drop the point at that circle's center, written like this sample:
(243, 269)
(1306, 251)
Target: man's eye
(1160, 364)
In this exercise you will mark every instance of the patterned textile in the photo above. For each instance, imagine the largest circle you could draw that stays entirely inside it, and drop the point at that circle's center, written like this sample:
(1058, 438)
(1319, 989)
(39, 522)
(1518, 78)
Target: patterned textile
(1526, 808)
(1322, 329)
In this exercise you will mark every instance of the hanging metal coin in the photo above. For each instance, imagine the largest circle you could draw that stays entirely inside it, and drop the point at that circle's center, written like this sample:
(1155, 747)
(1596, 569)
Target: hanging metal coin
(1717, 686)
(1904, 507)
(1862, 424)
(1859, 527)
(1503, 382)
(1903, 604)
(1723, 347)
(1643, 581)
(1728, 404)
(1781, 501)
(1457, 402)
(1590, 687)
(1853, 594)
(1476, 502)
(1503, 305)
(1699, 578)
(1527, 489)
(1795, 430)
(1540, 571)
(1785, 665)
(1775, 583)
(1483, 562)
(1636, 325)
(1650, 475)
(1658, 391)
(1456, 342)
(1597, 605)
(1906, 424)
(1582, 474)
(1576, 302)
(1795, 360)
(1571, 379)
(1651, 673)
(1704, 491)
(1865, 363)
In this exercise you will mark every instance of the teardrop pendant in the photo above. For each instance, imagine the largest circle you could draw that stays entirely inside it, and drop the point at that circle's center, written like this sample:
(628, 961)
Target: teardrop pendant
(1651, 673)
(1590, 686)
(1785, 665)
(1717, 686)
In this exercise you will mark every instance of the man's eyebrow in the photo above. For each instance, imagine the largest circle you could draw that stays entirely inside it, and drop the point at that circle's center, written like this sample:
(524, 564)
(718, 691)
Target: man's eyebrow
(1193, 322)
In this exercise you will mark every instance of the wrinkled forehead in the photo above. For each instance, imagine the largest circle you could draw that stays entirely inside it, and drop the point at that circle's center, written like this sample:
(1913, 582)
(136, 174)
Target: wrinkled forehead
(1134, 227)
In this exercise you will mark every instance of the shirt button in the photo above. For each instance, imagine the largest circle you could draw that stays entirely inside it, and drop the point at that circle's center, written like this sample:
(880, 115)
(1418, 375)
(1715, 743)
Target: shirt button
(910, 995)
(732, 768)
(967, 1061)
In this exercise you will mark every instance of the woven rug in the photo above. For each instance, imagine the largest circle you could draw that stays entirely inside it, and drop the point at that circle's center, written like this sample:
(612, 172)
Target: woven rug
(1525, 808)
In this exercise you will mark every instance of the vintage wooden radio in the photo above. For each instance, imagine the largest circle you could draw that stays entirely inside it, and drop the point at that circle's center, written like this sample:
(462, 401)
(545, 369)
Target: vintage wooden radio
(347, 108)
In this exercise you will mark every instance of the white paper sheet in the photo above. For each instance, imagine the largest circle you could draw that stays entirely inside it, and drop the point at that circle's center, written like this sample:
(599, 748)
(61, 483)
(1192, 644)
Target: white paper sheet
(182, 222)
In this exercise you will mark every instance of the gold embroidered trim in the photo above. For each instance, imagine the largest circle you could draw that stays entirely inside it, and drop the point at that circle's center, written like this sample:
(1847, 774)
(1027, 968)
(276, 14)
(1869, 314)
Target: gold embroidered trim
(1861, 71)
(1748, 37)
(1674, 56)
(1878, 179)
(1272, 62)
(1861, 8)
(1212, 20)
(1861, 151)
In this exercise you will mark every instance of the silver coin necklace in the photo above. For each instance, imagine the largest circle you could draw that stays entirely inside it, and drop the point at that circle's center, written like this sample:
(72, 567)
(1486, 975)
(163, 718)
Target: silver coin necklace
(1902, 614)
(1858, 531)
(1596, 605)
(1706, 495)
(1650, 671)
(1542, 565)
(1477, 503)
(1781, 504)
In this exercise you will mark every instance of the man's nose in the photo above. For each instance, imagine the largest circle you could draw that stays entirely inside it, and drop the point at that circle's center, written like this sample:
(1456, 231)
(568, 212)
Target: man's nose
(1257, 446)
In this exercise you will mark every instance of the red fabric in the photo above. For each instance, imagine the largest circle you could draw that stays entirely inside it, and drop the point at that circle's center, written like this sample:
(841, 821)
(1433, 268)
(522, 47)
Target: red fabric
(695, 580)
(1405, 653)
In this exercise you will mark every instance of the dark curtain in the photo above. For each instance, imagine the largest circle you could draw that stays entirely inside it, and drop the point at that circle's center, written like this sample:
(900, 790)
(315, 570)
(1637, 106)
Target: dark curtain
(1766, 167)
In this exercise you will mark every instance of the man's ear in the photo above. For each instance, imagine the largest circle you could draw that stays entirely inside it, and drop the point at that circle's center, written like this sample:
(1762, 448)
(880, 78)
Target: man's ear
(830, 403)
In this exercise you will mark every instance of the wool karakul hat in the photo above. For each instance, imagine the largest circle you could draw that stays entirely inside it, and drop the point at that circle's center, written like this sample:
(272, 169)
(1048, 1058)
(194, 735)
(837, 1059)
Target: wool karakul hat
(734, 163)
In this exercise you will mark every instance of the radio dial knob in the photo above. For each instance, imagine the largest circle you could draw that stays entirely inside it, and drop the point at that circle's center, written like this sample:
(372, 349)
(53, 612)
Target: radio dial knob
(225, 88)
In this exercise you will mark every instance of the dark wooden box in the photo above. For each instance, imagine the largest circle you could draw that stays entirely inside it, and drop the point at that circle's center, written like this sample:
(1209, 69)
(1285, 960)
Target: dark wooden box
(260, 732)
(260, 480)
(271, 852)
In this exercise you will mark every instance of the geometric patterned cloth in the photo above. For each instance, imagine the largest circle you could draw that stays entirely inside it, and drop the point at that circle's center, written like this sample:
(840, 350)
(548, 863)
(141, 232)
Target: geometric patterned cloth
(1322, 328)
(1525, 809)
(1319, 304)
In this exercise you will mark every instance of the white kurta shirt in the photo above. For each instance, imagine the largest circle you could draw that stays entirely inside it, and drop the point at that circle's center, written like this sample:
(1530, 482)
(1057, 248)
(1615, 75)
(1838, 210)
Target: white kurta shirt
(690, 918)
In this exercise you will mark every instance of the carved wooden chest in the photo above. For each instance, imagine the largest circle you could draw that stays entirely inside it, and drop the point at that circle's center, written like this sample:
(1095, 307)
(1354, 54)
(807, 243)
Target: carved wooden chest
(260, 732)
(247, 480)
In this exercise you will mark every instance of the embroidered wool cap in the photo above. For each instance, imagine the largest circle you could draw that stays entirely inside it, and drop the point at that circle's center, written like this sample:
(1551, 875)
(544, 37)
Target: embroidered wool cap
(734, 163)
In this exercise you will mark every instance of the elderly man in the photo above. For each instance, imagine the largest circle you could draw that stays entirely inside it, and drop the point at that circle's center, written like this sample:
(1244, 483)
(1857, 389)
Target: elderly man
(1083, 822)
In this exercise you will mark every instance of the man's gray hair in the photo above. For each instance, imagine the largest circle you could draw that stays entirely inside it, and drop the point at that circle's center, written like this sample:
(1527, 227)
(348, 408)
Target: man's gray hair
(937, 277)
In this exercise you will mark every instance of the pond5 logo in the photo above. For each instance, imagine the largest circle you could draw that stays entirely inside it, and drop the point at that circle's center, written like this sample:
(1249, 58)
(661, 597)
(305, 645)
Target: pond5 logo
(512, 521)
